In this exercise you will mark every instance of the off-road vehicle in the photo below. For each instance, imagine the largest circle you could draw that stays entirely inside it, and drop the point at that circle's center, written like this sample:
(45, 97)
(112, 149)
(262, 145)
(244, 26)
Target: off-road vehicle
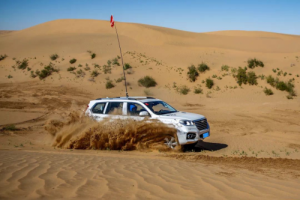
(190, 127)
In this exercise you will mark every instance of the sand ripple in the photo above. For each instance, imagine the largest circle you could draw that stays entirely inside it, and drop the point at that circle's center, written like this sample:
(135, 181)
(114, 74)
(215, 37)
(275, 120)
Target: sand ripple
(48, 175)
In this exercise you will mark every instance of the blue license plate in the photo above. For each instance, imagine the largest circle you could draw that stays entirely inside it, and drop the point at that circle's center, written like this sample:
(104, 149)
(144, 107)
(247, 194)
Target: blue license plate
(205, 135)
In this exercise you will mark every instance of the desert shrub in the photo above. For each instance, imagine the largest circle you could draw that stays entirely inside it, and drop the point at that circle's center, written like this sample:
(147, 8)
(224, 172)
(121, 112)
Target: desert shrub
(198, 90)
(106, 69)
(271, 80)
(209, 83)
(94, 73)
(127, 66)
(251, 78)
(233, 70)
(214, 76)
(70, 69)
(9, 76)
(80, 65)
(268, 91)
(73, 61)
(96, 65)
(32, 74)
(108, 62)
(22, 64)
(87, 68)
(147, 81)
(47, 71)
(203, 67)
(281, 86)
(192, 73)
(252, 63)
(53, 56)
(80, 73)
(118, 57)
(2, 57)
(120, 79)
(109, 84)
(241, 76)
(183, 89)
(11, 127)
(115, 62)
(289, 96)
(93, 55)
(225, 68)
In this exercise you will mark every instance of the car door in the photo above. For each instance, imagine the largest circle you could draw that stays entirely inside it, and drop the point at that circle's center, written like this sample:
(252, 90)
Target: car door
(134, 109)
(97, 111)
(115, 110)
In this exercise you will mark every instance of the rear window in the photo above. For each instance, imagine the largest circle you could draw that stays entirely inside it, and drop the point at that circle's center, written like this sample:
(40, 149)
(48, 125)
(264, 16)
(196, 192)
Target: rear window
(115, 108)
(99, 108)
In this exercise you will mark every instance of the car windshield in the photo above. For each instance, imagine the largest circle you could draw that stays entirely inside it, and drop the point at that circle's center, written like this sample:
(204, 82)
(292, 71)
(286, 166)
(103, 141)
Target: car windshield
(160, 107)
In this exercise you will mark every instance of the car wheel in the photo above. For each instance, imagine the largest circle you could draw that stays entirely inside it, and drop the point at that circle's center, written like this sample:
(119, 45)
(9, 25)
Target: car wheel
(170, 142)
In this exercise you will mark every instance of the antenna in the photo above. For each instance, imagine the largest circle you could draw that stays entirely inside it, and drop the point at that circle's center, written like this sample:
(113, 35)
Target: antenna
(122, 59)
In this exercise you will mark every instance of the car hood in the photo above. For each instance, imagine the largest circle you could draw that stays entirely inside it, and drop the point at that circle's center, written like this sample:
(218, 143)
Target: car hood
(182, 115)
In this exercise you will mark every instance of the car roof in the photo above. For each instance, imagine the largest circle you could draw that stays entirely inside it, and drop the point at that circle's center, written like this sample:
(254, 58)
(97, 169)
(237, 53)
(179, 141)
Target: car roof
(139, 98)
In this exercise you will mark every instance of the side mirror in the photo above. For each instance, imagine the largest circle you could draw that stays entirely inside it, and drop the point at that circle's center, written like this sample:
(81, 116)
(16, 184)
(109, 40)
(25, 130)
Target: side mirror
(144, 113)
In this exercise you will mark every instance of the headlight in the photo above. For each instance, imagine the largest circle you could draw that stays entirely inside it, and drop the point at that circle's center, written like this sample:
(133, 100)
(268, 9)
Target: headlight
(187, 122)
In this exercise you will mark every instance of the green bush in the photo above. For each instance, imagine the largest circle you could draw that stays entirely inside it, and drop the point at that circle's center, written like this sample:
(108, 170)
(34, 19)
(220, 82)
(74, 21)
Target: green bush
(252, 63)
(209, 83)
(11, 127)
(22, 64)
(115, 61)
(109, 84)
(94, 73)
(268, 91)
(198, 90)
(53, 56)
(225, 68)
(251, 78)
(70, 69)
(241, 76)
(271, 80)
(47, 71)
(147, 81)
(9, 76)
(106, 69)
(120, 79)
(108, 62)
(183, 89)
(73, 61)
(93, 55)
(127, 66)
(2, 57)
(214, 76)
(192, 73)
(203, 67)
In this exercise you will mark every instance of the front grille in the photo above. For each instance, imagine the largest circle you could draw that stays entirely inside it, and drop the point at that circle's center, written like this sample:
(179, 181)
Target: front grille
(201, 124)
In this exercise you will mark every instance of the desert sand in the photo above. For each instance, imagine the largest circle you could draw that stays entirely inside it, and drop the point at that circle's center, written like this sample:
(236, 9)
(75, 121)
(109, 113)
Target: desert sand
(254, 148)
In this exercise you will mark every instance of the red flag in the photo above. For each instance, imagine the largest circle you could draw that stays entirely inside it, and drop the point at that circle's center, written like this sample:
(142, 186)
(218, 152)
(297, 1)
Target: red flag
(112, 22)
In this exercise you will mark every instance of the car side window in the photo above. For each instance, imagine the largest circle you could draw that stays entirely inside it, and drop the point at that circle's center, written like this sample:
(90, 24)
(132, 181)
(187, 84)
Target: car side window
(134, 109)
(99, 108)
(115, 108)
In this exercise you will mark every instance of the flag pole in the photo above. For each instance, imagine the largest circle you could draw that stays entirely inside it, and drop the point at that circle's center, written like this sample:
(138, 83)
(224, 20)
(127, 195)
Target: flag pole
(122, 60)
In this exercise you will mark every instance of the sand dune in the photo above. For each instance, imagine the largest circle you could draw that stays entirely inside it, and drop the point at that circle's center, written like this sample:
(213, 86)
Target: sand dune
(246, 124)
(51, 175)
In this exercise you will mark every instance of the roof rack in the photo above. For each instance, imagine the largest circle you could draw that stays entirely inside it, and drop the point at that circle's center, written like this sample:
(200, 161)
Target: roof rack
(131, 98)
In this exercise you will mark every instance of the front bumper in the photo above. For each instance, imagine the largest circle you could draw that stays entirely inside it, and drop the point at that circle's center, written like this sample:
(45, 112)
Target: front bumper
(184, 131)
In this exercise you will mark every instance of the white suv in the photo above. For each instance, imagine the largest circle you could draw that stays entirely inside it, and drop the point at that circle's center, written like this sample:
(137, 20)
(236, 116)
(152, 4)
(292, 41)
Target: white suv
(190, 127)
